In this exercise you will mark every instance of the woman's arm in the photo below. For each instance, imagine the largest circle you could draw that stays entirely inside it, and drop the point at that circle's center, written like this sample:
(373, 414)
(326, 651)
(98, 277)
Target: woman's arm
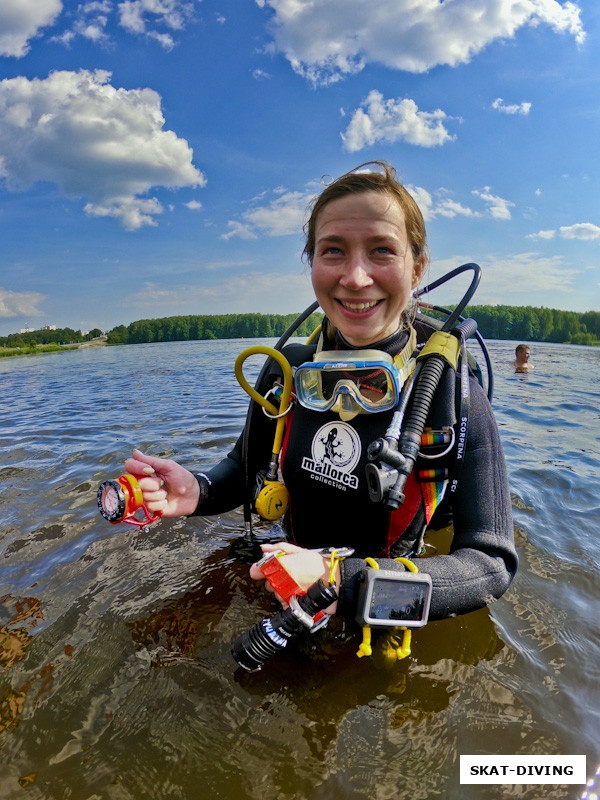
(482, 560)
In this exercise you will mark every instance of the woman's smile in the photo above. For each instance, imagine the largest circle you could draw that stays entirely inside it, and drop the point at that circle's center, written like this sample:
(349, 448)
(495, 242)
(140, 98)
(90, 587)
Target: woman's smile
(363, 271)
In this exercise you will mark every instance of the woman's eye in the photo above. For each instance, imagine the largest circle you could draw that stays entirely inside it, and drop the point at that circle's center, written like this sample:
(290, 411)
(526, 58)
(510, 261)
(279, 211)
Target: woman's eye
(383, 251)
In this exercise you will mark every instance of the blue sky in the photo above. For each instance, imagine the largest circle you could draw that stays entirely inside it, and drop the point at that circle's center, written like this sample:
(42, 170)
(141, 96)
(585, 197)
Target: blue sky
(157, 156)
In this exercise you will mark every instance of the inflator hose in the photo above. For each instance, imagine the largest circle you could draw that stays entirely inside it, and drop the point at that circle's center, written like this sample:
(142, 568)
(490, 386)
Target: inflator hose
(423, 393)
(422, 397)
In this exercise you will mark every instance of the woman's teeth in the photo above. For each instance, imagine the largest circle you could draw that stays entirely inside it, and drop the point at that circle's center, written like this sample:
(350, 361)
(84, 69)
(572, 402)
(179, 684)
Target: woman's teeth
(359, 306)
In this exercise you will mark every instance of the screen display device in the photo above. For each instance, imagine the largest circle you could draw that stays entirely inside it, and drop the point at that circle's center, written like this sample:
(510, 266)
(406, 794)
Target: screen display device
(394, 599)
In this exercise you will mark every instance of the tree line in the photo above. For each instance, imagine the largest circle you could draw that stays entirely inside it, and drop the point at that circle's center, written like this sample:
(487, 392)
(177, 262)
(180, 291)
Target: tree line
(494, 322)
(536, 324)
(60, 336)
(525, 323)
(222, 326)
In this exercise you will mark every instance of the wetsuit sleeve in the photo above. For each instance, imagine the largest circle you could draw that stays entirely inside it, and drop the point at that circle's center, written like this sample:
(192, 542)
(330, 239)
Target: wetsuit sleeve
(223, 486)
(482, 560)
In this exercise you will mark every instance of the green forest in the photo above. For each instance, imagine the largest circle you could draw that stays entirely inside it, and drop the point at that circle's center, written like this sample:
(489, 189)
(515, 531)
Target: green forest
(494, 322)
(524, 323)
(223, 326)
(61, 336)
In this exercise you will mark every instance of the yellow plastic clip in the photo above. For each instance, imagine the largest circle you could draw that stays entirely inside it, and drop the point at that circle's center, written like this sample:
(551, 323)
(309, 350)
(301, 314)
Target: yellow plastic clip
(334, 561)
(407, 563)
(365, 648)
(404, 649)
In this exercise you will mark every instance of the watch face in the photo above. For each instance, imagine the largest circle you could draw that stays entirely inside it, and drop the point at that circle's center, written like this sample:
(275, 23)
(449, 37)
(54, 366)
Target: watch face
(111, 501)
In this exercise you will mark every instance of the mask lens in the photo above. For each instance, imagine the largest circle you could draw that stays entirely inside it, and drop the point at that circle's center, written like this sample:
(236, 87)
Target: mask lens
(373, 386)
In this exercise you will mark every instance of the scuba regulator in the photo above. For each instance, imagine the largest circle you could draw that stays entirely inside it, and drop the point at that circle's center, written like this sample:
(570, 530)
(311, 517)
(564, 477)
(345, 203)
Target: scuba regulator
(393, 456)
(271, 500)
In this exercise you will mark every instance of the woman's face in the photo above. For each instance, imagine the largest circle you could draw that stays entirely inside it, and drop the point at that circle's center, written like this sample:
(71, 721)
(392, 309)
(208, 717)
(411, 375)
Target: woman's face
(363, 269)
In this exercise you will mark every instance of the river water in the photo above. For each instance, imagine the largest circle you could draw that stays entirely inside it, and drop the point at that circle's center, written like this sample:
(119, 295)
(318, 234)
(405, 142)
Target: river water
(117, 680)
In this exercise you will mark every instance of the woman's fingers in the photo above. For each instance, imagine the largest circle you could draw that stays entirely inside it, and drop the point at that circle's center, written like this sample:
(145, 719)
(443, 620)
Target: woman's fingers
(151, 484)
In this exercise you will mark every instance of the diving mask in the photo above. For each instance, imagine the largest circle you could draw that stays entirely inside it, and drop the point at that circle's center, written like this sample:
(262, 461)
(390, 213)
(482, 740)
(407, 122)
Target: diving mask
(350, 382)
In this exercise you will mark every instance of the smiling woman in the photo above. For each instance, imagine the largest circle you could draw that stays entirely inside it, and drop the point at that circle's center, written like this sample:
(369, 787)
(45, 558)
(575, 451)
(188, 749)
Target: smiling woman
(364, 262)
(367, 249)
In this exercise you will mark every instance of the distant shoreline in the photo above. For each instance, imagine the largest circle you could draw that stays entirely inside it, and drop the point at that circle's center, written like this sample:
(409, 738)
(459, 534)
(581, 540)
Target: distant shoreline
(93, 343)
(40, 349)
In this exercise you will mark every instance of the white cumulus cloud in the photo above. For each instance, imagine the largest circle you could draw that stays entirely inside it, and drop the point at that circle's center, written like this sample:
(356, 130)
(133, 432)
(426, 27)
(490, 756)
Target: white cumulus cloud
(283, 216)
(497, 206)
(94, 141)
(582, 230)
(16, 304)
(379, 120)
(542, 235)
(439, 205)
(513, 108)
(147, 17)
(90, 22)
(22, 20)
(158, 20)
(325, 40)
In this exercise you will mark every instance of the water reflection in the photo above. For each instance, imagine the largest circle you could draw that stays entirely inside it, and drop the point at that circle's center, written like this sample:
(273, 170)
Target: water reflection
(117, 680)
(15, 638)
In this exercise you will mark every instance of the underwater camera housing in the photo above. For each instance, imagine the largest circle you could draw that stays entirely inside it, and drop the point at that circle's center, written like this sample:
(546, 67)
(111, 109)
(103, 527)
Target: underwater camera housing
(271, 635)
(391, 599)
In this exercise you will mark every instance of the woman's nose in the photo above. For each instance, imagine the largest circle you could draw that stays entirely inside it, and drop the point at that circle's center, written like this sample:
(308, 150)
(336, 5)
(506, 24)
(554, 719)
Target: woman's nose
(356, 274)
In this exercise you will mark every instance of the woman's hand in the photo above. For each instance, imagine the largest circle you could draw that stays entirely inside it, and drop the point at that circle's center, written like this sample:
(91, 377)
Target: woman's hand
(166, 485)
(304, 566)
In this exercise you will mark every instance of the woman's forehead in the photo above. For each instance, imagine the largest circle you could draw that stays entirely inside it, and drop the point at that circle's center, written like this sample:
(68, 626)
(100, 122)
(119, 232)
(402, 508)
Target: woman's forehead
(366, 208)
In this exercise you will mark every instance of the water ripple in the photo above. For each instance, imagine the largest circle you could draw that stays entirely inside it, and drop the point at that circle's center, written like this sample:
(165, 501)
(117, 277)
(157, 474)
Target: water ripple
(120, 682)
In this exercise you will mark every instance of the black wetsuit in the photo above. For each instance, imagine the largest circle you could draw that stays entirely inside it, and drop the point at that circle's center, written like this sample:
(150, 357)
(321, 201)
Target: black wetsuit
(323, 466)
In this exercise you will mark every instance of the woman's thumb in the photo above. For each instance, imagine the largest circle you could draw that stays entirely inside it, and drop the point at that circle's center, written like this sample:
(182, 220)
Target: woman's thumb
(152, 461)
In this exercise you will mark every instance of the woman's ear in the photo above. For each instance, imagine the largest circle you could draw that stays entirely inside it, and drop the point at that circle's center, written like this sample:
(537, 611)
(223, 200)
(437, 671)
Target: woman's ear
(418, 270)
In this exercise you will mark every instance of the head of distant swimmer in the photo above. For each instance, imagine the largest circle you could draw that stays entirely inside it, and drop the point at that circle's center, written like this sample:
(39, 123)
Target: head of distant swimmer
(367, 248)
(522, 352)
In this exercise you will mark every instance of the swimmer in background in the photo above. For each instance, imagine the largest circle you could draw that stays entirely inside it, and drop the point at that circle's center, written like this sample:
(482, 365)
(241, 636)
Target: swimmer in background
(521, 362)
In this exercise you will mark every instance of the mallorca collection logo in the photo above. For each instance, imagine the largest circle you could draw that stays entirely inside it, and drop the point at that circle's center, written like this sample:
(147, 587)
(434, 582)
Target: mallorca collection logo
(335, 451)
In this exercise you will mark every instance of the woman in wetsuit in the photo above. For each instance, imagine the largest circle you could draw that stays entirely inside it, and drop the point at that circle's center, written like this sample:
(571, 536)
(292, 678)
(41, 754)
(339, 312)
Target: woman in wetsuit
(366, 246)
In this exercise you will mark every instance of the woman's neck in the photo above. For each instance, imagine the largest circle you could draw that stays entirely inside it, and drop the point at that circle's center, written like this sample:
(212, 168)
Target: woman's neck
(391, 344)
